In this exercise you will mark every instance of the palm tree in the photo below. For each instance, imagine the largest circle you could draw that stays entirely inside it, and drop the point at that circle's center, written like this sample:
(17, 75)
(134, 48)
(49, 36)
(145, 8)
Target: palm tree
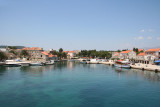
(60, 50)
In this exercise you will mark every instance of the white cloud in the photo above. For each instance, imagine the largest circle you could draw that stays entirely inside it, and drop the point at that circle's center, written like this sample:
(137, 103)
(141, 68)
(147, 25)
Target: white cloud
(149, 37)
(138, 38)
(158, 38)
(142, 30)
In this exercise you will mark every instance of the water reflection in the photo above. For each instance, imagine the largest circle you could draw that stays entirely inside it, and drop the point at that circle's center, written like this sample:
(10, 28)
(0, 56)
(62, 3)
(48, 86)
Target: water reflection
(70, 66)
(149, 75)
(2, 70)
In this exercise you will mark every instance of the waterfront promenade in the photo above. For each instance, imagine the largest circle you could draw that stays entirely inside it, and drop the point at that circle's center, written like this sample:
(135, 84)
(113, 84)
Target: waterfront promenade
(138, 66)
(146, 67)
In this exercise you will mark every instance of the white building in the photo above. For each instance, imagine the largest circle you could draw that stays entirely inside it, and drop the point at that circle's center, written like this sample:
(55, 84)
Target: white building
(153, 52)
(128, 54)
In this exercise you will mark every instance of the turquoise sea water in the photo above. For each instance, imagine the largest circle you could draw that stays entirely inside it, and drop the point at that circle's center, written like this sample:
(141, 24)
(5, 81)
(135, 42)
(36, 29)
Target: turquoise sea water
(69, 84)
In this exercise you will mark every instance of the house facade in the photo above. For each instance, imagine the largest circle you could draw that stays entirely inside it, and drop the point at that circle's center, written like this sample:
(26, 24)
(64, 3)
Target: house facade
(115, 55)
(71, 54)
(153, 52)
(145, 59)
(35, 53)
(128, 54)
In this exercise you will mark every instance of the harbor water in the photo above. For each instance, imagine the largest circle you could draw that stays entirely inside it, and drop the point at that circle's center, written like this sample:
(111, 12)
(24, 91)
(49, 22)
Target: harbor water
(71, 84)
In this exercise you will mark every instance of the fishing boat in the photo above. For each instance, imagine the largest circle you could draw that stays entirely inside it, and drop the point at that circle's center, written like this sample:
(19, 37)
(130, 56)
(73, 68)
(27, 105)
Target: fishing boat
(51, 62)
(11, 63)
(93, 61)
(36, 64)
(83, 61)
(122, 64)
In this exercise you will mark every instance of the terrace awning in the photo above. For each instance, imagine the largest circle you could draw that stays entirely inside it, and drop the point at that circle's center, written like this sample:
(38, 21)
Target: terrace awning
(157, 61)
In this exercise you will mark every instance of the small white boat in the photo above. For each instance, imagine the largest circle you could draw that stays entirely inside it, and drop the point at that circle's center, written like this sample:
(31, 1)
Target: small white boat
(122, 64)
(51, 62)
(83, 61)
(11, 63)
(36, 64)
(93, 61)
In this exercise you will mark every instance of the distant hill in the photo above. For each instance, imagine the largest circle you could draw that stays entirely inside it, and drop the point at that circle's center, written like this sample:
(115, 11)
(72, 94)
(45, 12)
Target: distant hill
(18, 47)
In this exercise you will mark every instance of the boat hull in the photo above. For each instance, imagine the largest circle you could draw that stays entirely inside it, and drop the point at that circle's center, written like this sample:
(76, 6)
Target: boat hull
(122, 66)
(35, 64)
(11, 65)
(84, 62)
(49, 63)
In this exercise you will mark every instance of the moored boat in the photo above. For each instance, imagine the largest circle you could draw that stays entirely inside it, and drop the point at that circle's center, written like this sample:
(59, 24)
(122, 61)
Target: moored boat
(51, 62)
(93, 61)
(11, 63)
(36, 64)
(122, 64)
(83, 61)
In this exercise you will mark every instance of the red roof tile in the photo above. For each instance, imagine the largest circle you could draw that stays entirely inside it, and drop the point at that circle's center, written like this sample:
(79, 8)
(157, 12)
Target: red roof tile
(139, 50)
(71, 52)
(33, 48)
(45, 53)
(65, 51)
(141, 54)
(116, 54)
(51, 55)
(126, 51)
(153, 50)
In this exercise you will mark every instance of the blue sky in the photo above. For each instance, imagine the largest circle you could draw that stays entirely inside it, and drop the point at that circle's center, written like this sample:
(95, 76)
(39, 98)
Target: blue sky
(80, 24)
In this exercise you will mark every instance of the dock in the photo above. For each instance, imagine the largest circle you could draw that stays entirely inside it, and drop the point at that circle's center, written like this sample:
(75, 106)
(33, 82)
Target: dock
(146, 67)
(2, 63)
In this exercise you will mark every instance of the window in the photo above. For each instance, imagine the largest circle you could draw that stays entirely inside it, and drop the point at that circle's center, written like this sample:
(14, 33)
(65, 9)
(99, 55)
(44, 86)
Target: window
(41, 55)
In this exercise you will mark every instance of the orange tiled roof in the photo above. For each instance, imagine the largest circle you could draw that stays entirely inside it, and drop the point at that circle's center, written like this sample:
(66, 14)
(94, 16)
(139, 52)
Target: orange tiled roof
(45, 53)
(141, 54)
(26, 48)
(139, 50)
(71, 52)
(152, 50)
(51, 55)
(33, 48)
(116, 54)
(126, 51)
(65, 51)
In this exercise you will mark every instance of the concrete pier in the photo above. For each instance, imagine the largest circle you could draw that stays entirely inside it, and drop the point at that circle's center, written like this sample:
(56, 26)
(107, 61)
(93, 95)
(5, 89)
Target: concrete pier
(146, 67)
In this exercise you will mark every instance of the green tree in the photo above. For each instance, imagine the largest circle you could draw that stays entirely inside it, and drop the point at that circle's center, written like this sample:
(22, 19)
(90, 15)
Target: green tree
(12, 47)
(3, 56)
(59, 55)
(54, 52)
(24, 53)
(64, 55)
(60, 50)
(118, 50)
(14, 52)
(94, 53)
(124, 49)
